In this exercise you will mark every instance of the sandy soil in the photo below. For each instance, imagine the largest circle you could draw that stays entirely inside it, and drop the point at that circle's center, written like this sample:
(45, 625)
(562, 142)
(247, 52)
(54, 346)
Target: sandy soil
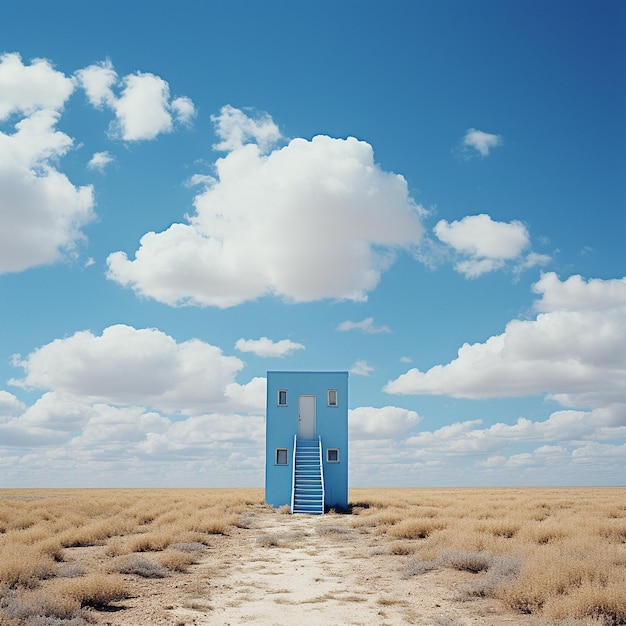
(303, 570)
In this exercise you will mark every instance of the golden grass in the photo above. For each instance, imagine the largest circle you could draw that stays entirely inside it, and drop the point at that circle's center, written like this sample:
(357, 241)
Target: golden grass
(97, 590)
(558, 553)
(176, 560)
(41, 581)
(555, 553)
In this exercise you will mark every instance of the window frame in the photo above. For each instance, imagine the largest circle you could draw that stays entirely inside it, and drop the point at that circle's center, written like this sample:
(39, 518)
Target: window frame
(276, 456)
(278, 397)
(328, 459)
(336, 394)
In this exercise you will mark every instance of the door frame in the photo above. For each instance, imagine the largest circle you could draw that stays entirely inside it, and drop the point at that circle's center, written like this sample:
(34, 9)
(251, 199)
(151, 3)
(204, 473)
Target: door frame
(306, 424)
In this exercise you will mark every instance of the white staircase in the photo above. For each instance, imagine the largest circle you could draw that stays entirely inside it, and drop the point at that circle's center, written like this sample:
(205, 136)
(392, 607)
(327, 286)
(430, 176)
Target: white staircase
(308, 477)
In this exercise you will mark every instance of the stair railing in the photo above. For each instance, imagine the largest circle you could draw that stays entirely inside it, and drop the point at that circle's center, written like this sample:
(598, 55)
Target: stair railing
(322, 475)
(293, 472)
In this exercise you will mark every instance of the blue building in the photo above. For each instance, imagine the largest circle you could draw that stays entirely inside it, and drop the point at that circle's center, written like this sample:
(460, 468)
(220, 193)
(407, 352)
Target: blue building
(306, 457)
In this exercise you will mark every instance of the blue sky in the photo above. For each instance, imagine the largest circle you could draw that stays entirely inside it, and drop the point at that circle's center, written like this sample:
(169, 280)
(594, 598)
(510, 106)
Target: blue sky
(429, 195)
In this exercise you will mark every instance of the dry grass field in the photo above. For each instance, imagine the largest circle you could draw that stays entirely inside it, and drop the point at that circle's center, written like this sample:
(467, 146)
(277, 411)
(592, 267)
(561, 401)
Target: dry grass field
(559, 553)
(70, 557)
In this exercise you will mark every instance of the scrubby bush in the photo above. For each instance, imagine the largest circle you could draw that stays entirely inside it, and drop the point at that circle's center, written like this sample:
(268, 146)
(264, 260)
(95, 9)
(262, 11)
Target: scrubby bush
(98, 590)
(554, 553)
(176, 560)
(140, 565)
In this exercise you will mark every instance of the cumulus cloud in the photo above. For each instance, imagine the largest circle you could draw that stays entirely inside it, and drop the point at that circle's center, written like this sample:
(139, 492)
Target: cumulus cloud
(235, 128)
(265, 347)
(361, 368)
(479, 143)
(42, 212)
(388, 422)
(311, 220)
(130, 404)
(578, 294)
(197, 434)
(574, 351)
(568, 427)
(26, 89)
(146, 367)
(76, 442)
(99, 161)
(184, 110)
(9, 405)
(55, 415)
(484, 245)
(248, 397)
(143, 109)
(586, 446)
(367, 326)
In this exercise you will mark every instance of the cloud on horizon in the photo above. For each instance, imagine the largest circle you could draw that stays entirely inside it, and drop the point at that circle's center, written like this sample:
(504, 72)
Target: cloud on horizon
(129, 366)
(574, 351)
(103, 409)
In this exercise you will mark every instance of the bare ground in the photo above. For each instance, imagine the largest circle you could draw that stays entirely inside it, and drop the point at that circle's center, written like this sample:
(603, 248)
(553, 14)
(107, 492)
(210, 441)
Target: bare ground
(305, 570)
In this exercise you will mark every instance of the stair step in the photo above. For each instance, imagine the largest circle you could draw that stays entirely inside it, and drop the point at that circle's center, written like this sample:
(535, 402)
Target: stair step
(308, 489)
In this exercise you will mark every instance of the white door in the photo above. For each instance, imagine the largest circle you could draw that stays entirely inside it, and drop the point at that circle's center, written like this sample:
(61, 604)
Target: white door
(306, 417)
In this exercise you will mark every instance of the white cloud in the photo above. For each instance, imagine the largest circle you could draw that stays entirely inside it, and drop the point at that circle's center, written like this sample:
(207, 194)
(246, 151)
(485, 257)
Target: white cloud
(183, 109)
(98, 418)
(487, 243)
(265, 347)
(42, 212)
(235, 129)
(562, 436)
(56, 411)
(71, 441)
(575, 351)
(361, 368)
(10, 405)
(479, 235)
(26, 89)
(143, 109)
(367, 326)
(247, 398)
(576, 294)
(478, 141)
(197, 434)
(144, 367)
(97, 81)
(586, 447)
(533, 259)
(483, 245)
(388, 422)
(312, 220)
(99, 161)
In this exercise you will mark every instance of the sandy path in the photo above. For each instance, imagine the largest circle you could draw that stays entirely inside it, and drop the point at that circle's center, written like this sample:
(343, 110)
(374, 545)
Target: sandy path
(286, 570)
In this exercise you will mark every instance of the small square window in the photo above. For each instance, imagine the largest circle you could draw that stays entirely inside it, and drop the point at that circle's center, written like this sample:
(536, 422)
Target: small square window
(281, 456)
(282, 397)
(332, 397)
(332, 455)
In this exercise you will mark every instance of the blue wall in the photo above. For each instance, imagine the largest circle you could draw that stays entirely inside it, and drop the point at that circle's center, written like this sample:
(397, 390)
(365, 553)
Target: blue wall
(282, 424)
